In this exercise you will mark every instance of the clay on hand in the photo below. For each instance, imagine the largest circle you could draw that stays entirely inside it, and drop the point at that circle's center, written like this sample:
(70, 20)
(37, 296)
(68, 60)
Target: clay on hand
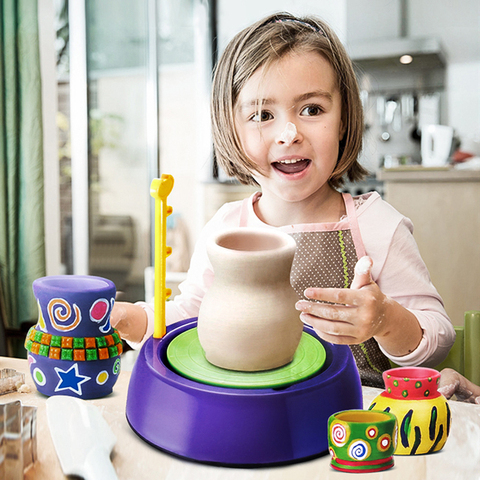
(453, 383)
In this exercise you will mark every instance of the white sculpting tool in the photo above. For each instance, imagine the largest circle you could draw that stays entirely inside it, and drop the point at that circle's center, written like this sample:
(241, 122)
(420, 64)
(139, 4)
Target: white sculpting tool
(82, 438)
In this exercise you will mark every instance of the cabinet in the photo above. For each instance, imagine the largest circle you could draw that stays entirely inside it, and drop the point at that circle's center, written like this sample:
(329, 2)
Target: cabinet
(444, 206)
(217, 194)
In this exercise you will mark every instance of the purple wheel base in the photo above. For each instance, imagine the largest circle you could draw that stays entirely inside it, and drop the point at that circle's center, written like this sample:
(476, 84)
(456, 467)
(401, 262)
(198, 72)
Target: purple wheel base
(238, 427)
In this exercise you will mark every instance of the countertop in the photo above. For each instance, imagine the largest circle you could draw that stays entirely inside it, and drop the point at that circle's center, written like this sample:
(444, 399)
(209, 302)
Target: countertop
(422, 174)
(134, 459)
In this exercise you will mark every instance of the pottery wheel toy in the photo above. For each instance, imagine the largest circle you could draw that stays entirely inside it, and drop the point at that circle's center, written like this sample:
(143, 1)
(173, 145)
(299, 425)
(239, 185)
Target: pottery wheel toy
(185, 405)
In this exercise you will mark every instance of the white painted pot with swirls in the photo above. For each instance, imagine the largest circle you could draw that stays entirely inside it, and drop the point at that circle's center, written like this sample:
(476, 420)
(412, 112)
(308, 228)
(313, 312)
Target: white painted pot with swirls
(247, 320)
(73, 350)
(423, 414)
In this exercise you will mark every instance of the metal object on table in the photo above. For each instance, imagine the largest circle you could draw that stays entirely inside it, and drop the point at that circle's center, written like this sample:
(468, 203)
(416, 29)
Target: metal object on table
(18, 439)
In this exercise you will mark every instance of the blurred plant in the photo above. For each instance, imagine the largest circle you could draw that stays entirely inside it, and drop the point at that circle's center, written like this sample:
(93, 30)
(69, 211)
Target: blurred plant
(62, 35)
(64, 150)
(105, 132)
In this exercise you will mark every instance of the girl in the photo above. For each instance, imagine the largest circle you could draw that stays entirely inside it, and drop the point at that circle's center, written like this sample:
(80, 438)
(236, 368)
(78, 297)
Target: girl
(286, 116)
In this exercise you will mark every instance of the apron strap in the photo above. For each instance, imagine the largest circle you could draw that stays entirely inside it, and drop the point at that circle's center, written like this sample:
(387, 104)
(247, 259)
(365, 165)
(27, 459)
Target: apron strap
(351, 214)
(354, 228)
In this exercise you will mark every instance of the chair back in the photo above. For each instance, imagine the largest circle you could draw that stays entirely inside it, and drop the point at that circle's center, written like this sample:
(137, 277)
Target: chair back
(464, 356)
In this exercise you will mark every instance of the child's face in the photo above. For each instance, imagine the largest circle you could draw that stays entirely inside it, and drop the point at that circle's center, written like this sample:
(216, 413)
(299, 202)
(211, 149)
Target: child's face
(295, 161)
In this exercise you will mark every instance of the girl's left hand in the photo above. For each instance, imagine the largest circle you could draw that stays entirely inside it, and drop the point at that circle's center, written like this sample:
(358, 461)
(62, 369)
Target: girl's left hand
(352, 315)
(453, 383)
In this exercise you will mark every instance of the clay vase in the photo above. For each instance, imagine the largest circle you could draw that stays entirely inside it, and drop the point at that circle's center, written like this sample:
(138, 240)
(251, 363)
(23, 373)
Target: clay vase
(423, 414)
(247, 320)
(73, 350)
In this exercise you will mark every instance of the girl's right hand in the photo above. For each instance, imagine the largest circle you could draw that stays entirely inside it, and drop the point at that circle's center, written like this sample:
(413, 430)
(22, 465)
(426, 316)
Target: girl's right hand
(130, 320)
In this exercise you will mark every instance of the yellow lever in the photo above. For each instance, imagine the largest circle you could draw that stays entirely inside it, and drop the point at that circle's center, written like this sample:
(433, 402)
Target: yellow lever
(160, 188)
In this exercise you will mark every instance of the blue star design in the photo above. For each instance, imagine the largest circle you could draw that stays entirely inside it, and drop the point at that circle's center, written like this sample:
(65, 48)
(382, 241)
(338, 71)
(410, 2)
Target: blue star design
(70, 379)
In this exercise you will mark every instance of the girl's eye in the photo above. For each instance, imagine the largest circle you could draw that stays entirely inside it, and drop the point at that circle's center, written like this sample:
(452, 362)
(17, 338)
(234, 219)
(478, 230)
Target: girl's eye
(261, 116)
(311, 111)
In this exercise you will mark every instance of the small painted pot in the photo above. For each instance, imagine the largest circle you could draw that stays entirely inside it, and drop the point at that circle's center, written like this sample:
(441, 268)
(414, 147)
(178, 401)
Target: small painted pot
(362, 441)
(423, 414)
(73, 350)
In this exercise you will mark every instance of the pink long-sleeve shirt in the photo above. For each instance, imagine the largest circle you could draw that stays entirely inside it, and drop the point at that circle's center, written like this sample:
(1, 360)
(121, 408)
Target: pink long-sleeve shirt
(398, 269)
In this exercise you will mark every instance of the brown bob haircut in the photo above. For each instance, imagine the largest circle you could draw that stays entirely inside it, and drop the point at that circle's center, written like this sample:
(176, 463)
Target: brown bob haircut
(260, 45)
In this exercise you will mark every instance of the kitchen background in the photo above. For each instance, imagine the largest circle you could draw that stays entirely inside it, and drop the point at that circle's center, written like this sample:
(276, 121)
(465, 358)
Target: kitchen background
(146, 68)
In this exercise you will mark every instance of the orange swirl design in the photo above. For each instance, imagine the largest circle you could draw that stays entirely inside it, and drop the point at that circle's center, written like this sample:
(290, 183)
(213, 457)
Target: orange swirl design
(59, 310)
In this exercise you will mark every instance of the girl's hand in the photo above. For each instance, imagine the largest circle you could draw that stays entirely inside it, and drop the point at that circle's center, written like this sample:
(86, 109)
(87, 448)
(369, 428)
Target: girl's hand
(359, 313)
(353, 316)
(130, 320)
(452, 383)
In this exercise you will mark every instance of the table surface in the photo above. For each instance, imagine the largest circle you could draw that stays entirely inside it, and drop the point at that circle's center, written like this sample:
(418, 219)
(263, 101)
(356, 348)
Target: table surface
(134, 459)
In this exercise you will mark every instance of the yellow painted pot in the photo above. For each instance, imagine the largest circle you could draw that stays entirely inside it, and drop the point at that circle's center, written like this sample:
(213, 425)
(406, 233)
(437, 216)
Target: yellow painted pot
(423, 414)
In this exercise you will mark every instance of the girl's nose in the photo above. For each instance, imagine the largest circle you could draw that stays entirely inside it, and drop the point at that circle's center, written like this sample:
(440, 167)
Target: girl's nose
(289, 134)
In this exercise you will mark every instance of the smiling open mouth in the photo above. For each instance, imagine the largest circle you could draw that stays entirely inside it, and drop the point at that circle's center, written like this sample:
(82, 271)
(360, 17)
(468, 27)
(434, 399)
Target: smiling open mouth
(292, 166)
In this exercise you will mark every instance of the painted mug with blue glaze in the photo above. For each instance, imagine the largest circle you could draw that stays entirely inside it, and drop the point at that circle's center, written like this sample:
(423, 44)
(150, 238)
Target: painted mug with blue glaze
(73, 350)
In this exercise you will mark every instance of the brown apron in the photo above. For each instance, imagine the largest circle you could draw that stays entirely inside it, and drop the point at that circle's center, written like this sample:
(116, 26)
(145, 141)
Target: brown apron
(325, 257)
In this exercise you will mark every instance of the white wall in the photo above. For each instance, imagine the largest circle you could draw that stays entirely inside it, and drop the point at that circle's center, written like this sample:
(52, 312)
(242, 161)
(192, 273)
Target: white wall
(463, 81)
(234, 16)
(455, 24)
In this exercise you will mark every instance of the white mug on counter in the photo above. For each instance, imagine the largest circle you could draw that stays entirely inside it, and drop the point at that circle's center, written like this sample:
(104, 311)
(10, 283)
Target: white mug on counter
(436, 145)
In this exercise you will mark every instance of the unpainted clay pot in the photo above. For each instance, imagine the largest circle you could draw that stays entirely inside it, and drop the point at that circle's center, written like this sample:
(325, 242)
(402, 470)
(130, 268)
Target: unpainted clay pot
(247, 320)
